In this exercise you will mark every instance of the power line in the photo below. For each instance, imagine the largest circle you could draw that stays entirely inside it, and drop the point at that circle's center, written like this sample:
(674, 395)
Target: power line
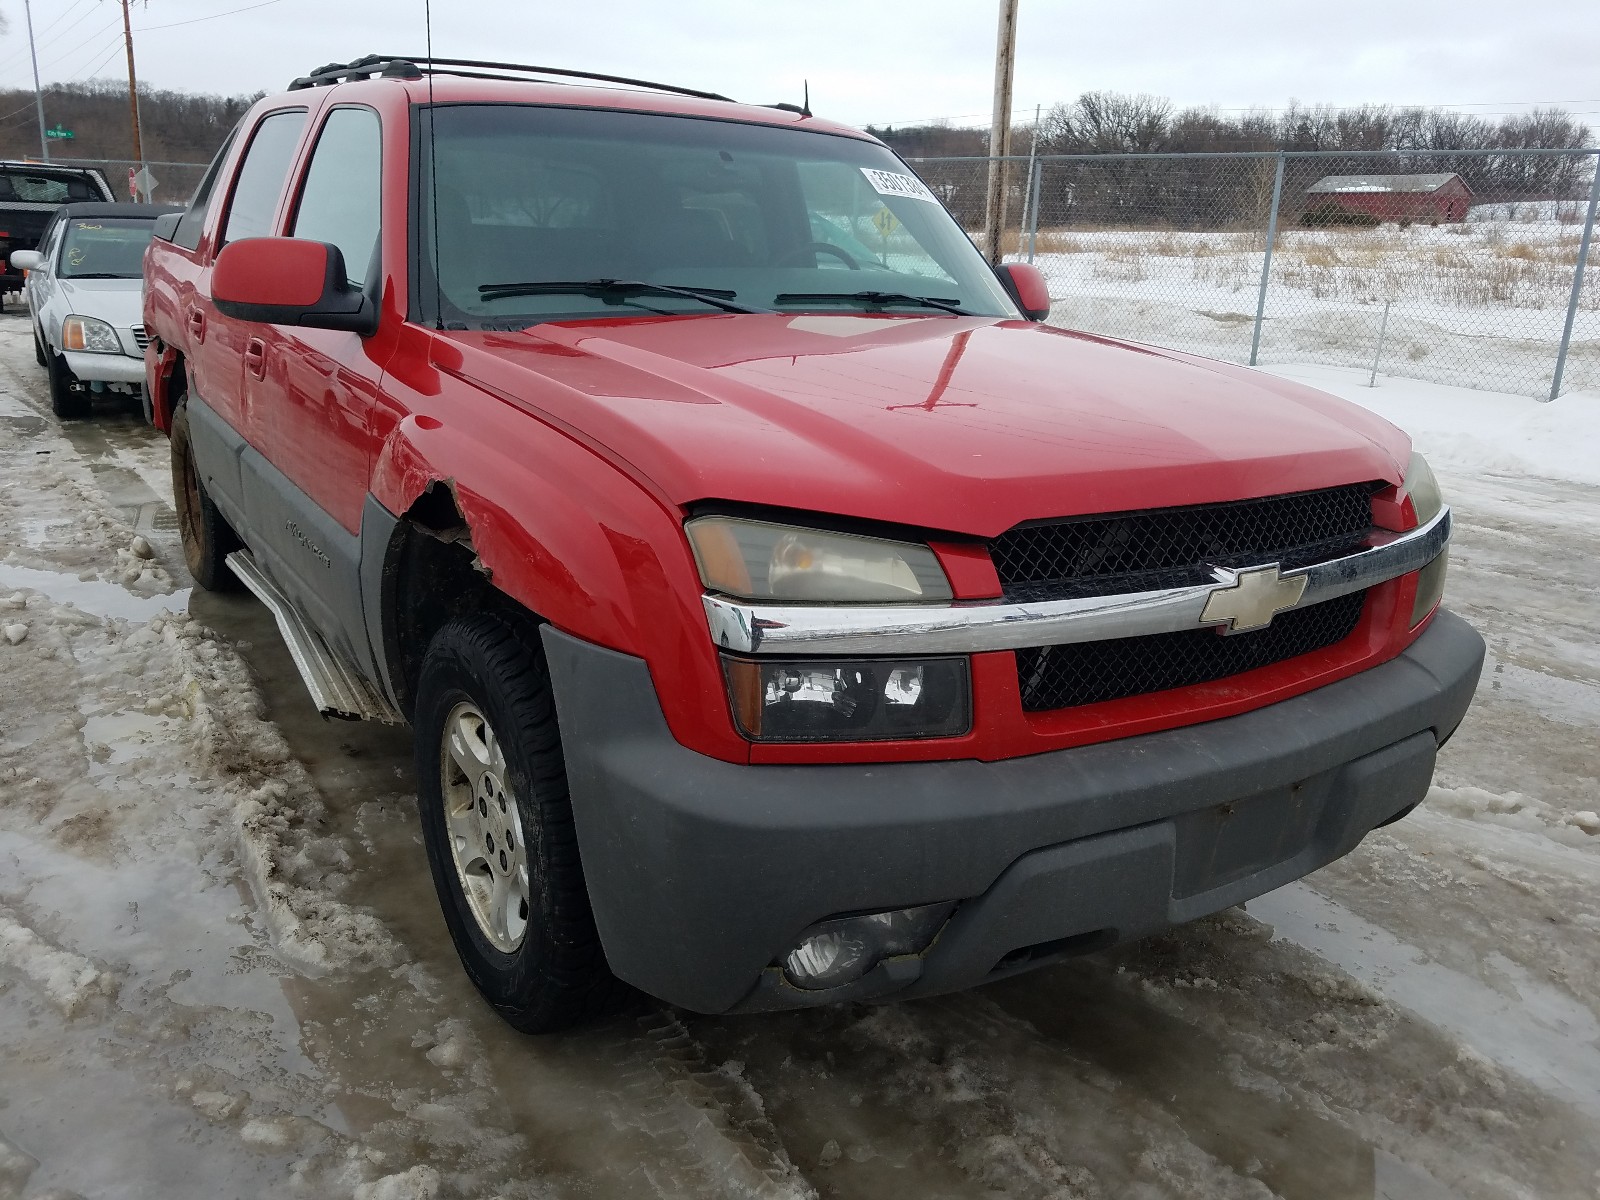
(43, 42)
(101, 66)
(212, 17)
(28, 107)
(99, 47)
(23, 50)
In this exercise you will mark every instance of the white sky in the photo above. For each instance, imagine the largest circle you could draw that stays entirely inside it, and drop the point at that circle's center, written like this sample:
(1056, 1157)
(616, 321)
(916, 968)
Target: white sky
(878, 61)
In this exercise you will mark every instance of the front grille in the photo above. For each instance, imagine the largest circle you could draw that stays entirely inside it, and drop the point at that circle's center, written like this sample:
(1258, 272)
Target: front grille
(140, 336)
(1178, 547)
(1054, 677)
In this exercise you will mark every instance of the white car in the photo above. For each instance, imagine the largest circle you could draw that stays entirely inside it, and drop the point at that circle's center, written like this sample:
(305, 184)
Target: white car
(85, 290)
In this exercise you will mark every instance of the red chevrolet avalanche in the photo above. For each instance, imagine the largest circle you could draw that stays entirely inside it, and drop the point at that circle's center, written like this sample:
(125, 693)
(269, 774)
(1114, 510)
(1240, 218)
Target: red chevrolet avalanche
(784, 612)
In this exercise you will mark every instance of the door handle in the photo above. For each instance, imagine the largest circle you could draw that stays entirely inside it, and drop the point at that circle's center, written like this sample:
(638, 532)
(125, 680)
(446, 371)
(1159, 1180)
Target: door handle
(197, 324)
(255, 357)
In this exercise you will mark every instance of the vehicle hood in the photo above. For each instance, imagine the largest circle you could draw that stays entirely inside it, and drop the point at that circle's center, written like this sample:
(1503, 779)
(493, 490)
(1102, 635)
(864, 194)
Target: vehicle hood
(965, 425)
(117, 301)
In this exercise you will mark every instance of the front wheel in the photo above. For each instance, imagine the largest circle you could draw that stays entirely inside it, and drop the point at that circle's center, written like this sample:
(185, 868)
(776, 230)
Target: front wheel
(68, 398)
(207, 537)
(497, 824)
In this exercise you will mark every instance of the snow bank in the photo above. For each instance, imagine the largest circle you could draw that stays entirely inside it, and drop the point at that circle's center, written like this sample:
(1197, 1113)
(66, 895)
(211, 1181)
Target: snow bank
(294, 869)
(419, 1183)
(1516, 811)
(69, 981)
(1468, 430)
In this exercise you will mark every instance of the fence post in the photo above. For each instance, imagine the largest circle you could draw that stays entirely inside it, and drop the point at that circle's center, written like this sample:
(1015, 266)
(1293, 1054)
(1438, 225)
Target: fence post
(1383, 332)
(1577, 280)
(1033, 217)
(1266, 262)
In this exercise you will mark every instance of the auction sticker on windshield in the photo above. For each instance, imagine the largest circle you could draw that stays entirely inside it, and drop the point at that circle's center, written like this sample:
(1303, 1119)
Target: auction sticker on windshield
(893, 183)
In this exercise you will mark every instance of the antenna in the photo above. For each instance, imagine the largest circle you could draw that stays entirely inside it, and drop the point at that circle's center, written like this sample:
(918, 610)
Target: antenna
(433, 174)
(805, 102)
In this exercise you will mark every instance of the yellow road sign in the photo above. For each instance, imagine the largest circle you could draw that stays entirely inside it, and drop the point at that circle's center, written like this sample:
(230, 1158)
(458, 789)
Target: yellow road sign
(885, 222)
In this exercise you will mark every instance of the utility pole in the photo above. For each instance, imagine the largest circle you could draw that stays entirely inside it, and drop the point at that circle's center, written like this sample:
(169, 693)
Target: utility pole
(133, 85)
(38, 96)
(1005, 57)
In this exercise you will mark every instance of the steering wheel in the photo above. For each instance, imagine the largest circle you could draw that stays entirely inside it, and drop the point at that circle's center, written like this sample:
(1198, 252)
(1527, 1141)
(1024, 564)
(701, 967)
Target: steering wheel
(816, 248)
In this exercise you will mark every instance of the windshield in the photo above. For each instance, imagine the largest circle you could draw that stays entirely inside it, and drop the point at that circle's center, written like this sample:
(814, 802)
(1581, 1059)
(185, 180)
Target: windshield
(105, 248)
(757, 217)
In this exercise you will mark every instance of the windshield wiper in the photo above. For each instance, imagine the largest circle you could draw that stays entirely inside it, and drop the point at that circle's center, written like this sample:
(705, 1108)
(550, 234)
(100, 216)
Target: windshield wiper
(99, 275)
(877, 298)
(605, 289)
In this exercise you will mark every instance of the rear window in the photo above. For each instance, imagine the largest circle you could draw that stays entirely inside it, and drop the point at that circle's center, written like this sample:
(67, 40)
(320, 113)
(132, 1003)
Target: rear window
(40, 187)
(105, 248)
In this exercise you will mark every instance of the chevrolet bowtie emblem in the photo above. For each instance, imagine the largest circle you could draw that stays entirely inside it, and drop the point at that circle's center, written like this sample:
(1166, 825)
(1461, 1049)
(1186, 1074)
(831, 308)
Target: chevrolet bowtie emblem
(1250, 599)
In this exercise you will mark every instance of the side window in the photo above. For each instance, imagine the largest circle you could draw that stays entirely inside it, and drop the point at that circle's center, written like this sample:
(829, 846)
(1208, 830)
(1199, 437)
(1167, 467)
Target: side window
(342, 199)
(193, 221)
(261, 176)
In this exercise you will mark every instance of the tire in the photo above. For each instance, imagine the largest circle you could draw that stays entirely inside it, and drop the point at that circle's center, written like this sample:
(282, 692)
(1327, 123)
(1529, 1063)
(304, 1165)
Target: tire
(66, 401)
(207, 537)
(485, 724)
(38, 350)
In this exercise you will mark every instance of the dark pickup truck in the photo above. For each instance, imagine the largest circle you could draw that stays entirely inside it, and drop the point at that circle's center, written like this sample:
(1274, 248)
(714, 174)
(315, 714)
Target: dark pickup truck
(30, 193)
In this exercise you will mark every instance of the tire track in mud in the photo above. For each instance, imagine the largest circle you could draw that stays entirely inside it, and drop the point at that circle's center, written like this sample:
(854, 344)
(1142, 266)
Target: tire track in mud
(707, 1125)
(1281, 1065)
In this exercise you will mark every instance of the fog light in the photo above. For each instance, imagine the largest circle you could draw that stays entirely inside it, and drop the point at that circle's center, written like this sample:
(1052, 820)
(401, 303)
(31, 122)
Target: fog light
(841, 951)
(822, 701)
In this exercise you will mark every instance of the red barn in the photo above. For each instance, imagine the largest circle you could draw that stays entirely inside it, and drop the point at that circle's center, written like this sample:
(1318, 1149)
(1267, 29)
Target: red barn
(1430, 198)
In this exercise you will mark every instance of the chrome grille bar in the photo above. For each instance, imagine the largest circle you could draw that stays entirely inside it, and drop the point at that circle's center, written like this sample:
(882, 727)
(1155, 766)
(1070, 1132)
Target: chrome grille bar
(918, 629)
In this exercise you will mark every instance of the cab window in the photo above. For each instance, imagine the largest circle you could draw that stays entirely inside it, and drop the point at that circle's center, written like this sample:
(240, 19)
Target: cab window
(192, 223)
(341, 200)
(261, 176)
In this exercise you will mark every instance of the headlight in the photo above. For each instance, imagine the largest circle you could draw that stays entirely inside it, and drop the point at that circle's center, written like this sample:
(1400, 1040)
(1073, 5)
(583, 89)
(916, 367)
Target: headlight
(824, 700)
(1423, 489)
(758, 560)
(89, 334)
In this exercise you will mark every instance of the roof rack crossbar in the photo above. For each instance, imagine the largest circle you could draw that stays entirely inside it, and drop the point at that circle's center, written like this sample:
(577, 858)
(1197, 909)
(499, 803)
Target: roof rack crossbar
(403, 65)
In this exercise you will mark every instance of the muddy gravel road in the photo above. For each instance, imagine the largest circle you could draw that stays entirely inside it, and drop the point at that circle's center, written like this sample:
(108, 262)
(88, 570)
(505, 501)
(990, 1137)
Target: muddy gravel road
(223, 972)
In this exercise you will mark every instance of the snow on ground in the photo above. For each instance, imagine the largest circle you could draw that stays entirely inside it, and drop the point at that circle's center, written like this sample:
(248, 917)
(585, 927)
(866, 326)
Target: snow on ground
(222, 971)
(1476, 432)
(1477, 304)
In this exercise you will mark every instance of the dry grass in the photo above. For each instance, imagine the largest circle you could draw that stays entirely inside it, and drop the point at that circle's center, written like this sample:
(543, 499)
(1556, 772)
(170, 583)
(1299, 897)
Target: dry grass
(1471, 266)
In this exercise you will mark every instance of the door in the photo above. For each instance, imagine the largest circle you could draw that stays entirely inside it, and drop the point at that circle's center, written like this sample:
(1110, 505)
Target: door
(311, 392)
(41, 286)
(219, 421)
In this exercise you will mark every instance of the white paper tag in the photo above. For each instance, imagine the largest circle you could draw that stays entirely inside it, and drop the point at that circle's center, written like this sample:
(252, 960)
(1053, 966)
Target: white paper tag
(893, 183)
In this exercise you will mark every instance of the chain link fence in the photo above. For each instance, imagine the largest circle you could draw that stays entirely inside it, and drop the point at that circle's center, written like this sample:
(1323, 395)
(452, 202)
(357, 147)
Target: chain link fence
(175, 182)
(1461, 268)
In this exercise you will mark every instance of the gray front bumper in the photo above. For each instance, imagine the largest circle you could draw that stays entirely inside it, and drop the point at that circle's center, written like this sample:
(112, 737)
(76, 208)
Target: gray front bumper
(105, 368)
(703, 873)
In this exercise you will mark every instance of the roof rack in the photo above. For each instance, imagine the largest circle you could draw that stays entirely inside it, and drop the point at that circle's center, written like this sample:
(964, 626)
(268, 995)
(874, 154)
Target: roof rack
(390, 66)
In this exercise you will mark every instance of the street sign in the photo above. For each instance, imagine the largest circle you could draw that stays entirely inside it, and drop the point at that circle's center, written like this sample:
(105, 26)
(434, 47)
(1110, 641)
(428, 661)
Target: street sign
(885, 222)
(59, 132)
(144, 182)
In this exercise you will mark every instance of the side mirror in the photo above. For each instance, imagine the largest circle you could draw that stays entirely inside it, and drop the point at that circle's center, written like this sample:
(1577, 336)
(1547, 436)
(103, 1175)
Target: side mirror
(26, 260)
(1025, 284)
(289, 281)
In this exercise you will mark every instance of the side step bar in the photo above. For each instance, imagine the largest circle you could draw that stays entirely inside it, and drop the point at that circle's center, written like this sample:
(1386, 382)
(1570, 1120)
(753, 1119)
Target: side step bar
(337, 689)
